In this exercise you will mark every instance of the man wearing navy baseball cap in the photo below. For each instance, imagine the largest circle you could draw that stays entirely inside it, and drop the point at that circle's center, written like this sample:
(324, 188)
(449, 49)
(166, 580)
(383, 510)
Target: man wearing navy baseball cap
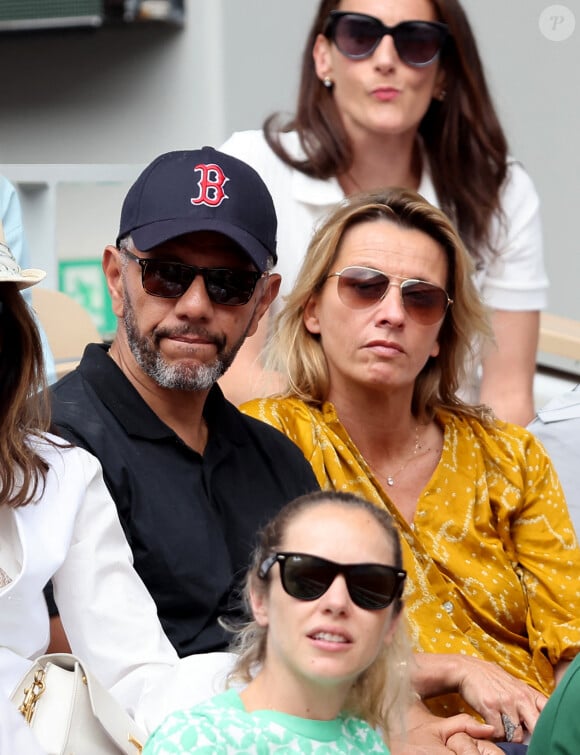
(193, 478)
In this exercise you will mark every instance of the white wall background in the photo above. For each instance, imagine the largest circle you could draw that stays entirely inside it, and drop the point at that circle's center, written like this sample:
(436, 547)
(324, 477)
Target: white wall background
(124, 95)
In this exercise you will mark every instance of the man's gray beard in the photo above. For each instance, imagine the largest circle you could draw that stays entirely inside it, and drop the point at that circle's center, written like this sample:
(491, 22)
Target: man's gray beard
(180, 377)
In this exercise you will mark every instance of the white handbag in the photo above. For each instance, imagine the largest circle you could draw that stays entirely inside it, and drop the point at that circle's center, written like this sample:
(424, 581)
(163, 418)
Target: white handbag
(71, 713)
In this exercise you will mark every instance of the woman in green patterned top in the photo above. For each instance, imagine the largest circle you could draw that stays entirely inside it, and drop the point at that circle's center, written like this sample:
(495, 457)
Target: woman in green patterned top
(322, 667)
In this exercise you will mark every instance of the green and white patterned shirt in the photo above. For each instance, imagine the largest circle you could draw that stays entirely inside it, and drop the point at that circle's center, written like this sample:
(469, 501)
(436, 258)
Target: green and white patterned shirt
(221, 726)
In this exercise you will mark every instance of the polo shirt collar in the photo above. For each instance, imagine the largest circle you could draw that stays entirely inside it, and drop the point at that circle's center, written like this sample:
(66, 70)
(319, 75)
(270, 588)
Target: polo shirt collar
(117, 393)
(119, 396)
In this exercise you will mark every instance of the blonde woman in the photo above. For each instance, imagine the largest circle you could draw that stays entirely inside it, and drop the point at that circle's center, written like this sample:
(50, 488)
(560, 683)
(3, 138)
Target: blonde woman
(374, 338)
(324, 659)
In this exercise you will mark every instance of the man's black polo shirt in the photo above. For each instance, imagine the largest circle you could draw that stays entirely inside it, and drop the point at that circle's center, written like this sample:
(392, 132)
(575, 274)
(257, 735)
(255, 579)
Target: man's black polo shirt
(190, 520)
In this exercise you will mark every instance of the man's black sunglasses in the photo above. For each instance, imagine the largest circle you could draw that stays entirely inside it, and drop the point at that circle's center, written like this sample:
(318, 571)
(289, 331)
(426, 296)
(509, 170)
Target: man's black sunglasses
(306, 577)
(357, 36)
(170, 280)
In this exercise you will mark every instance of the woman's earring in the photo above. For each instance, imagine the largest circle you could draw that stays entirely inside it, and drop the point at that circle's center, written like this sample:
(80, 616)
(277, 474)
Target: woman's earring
(327, 81)
(442, 95)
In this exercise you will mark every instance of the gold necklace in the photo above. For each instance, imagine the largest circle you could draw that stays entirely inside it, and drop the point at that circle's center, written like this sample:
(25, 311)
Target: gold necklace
(417, 447)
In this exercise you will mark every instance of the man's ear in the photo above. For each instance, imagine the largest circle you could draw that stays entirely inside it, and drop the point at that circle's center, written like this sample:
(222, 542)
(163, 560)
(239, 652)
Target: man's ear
(112, 268)
(270, 292)
(310, 316)
(259, 604)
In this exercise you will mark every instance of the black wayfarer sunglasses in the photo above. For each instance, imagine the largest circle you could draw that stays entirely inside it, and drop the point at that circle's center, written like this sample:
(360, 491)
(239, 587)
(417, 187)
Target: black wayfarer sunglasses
(170, 280)
(306, 577)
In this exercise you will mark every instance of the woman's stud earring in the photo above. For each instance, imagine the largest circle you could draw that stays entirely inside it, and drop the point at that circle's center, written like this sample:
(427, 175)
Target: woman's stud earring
(327, 81)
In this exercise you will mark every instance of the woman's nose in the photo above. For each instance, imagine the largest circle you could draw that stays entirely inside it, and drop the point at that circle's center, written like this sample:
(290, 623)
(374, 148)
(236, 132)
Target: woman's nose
(337, 599)
(390, 309)
(386, 55)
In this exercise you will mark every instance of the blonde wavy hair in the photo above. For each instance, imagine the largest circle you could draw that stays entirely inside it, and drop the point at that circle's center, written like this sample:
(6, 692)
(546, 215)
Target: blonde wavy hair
(382, 693)
(299, 354)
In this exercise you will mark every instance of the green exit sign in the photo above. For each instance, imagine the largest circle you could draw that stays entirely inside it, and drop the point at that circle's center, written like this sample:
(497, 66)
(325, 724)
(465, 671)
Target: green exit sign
(84, 281)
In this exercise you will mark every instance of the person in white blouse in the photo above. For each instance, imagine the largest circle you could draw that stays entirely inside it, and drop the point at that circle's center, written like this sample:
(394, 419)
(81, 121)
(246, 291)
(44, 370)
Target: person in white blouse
(57, 521)
(394, 94)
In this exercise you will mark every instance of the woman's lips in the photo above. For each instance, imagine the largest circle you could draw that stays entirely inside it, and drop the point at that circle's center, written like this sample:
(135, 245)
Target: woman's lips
(385, 348)
(386, 94)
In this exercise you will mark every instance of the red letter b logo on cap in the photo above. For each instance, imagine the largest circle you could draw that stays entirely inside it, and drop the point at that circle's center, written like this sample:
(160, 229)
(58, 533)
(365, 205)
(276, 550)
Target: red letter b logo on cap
(211, 185)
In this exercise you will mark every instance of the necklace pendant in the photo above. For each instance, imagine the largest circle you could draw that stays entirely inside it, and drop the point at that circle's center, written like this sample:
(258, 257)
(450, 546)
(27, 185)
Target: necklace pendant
(390, 481)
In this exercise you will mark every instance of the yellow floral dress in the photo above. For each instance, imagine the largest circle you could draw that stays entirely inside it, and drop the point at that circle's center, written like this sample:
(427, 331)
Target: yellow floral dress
(492, 560)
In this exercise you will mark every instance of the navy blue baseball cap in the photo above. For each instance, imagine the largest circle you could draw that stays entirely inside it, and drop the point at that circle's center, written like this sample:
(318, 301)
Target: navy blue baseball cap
(201, 190)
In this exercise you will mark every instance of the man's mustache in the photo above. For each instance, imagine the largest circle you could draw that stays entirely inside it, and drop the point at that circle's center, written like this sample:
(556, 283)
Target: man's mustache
(187, 330)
